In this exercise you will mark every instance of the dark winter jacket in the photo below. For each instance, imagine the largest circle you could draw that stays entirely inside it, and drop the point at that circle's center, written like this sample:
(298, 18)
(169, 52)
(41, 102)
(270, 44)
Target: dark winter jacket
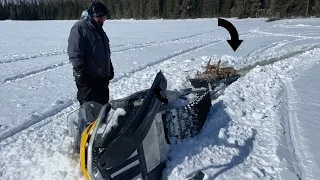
(89, 50)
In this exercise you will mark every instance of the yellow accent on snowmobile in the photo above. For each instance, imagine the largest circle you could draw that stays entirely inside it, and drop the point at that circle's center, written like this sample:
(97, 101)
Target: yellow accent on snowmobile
(83, 143)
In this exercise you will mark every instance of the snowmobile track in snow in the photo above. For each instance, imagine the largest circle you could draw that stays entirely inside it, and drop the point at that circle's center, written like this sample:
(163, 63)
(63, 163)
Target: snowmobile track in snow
(303, 159)
(289, 130)
(15, 58)
(20, 127)
(156, 43)
(259, 31)
(194, 48)
(31, 73)
(7, 80)
(33, 119)
(148, 44)
(20, 76)
(31, 56)
(51, 112)
(246, 69)
(262, 49)
(182, 52)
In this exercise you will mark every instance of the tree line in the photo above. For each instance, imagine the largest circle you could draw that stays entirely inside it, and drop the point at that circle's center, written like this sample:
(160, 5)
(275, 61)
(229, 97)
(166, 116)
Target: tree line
(155, 9)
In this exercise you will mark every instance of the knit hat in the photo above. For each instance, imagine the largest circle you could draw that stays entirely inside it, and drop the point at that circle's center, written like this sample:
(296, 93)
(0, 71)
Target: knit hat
(97, 9)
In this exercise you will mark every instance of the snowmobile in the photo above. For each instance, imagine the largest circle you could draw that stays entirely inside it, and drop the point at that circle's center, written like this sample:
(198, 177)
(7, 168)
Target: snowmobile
(129, 138)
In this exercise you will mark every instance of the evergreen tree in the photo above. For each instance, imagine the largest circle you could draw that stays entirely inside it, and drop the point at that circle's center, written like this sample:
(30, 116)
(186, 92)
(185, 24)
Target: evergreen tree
(152, 8)
(2, 15)
(225, 6)
(254, 8)
(195, 8)
(170, 8)
(165, 14)
(12, 11)
(118, 9)
(210, 8)
(176, 9)
(185, 9)
(34, 8)
(315, 10)
(127, 9)
(135, 8)
(142, 9)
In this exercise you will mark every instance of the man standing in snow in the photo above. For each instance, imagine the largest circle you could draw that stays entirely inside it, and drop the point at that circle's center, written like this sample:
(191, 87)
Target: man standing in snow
(89, 53)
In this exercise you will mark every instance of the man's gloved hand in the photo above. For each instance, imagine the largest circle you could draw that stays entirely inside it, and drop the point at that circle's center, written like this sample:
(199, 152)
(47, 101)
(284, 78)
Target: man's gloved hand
(80, 77)
(111, 75)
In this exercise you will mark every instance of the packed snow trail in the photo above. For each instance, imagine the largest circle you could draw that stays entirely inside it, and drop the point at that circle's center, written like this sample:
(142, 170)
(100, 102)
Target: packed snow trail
(22, 57)
(230, 130)
(303, 120)
(240, 139)
(23, 84)
(308, 117)
(49, 141)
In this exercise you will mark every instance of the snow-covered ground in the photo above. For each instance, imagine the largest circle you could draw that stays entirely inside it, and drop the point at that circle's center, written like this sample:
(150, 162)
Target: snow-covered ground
(263, 126)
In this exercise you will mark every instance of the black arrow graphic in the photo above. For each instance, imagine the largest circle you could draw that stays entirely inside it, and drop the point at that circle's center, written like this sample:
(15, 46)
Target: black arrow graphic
(234, 42)
(158, 94)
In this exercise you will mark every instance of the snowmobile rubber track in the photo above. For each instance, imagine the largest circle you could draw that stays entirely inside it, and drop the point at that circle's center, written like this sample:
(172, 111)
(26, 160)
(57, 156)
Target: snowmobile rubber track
(187, 122)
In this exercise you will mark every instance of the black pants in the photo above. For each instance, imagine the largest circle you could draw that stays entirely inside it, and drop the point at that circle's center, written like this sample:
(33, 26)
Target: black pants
(96, 90)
